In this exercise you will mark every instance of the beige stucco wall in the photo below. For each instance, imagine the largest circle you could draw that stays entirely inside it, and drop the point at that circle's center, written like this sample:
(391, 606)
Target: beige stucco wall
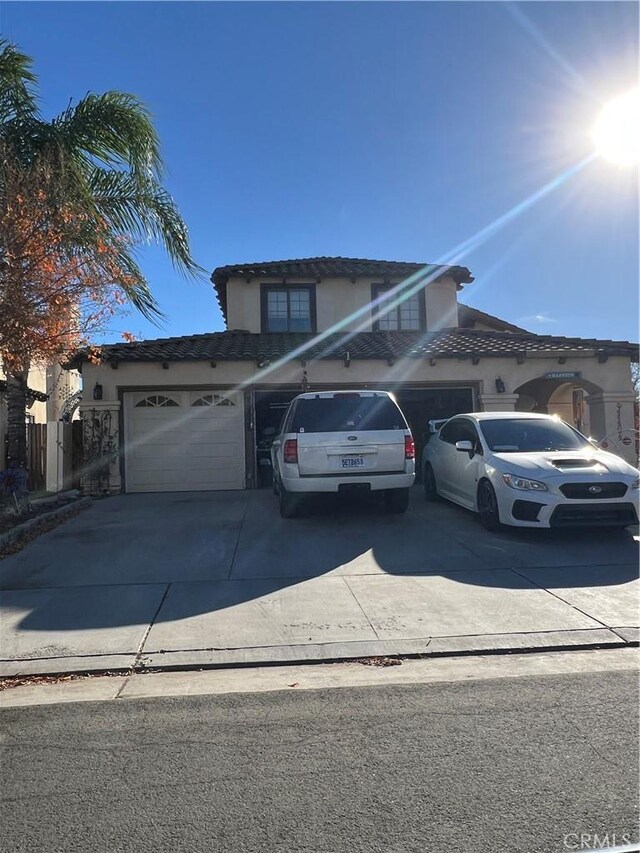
(611, 413)
(614, 375)
(339, 302)
(56, 382)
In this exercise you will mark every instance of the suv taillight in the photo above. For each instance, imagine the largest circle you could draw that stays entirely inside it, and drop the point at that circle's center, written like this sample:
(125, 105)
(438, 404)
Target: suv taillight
(290, 450)
(409, 447)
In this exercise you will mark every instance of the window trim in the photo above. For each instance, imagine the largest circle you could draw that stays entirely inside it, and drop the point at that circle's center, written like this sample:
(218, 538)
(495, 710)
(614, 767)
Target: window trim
(265, 289)
(377, 288)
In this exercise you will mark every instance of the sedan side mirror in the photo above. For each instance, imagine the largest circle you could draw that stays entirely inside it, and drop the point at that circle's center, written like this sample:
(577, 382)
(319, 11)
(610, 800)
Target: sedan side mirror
(465, 446)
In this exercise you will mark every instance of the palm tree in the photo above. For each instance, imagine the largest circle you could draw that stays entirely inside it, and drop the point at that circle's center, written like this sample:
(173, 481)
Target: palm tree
(99, 159)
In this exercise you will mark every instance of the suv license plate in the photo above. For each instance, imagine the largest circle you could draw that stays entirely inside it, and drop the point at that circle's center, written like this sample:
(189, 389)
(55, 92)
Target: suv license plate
(352, 461)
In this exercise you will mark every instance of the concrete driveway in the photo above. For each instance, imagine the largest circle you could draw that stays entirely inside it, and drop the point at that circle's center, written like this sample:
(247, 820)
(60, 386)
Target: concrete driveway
(218, 577)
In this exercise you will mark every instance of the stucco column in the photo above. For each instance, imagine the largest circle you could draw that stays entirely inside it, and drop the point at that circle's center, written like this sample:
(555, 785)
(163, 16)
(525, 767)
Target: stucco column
(101, 446)
(498, 402)
(612, 422)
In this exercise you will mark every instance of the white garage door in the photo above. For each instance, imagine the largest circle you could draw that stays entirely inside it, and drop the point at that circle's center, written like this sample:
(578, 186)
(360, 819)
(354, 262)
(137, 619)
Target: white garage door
(178, 441)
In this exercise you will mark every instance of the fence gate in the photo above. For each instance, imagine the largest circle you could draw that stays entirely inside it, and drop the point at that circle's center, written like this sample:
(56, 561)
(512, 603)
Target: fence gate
(37, 456)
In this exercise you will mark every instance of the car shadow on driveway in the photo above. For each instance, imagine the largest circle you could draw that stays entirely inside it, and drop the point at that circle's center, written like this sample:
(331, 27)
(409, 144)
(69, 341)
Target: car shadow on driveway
(139, 559)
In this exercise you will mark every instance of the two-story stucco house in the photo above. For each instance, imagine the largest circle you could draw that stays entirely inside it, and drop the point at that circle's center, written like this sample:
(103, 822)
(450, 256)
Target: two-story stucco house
(198, 412)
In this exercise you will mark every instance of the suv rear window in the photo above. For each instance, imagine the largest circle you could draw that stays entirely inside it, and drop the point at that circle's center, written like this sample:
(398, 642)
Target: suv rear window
(342, 413)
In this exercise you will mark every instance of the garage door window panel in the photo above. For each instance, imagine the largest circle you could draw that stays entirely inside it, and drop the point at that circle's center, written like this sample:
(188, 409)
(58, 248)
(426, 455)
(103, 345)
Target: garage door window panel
(156, 401)
(213, 400)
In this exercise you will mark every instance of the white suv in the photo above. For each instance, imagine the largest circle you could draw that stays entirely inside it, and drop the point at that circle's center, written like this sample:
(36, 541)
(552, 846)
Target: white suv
(342, 441)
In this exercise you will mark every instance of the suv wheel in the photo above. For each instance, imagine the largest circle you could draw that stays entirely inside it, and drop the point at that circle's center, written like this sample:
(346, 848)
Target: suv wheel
(289, 503)
(429, 484)
(396, 501)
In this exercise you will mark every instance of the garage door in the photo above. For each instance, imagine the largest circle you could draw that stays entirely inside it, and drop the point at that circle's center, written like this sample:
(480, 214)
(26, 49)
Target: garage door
(183, 441)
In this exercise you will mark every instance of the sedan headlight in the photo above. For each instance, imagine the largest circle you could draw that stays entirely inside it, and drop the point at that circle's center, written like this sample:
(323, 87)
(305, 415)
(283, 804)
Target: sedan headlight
(522, 483)
(635, 484)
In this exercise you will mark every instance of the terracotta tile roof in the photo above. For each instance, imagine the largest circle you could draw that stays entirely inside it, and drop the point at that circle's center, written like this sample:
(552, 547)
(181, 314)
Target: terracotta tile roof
(447, 343)
(323, 267)
(468, 317)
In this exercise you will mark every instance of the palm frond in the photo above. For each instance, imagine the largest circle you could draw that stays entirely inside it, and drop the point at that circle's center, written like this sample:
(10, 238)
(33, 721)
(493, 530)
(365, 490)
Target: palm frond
(136, 287)
(17, 84)
(114, 128)
(143, 210)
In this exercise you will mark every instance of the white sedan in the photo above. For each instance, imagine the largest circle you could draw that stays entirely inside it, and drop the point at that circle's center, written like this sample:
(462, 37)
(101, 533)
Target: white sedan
(528, 470)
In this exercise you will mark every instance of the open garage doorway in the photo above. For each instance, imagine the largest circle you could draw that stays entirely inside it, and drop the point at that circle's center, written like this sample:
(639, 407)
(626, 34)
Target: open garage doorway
(270, 408)
(420, 405)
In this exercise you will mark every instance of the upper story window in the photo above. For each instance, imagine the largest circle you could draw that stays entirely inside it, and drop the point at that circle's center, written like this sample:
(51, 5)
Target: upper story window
(288, 308)
(408, 315)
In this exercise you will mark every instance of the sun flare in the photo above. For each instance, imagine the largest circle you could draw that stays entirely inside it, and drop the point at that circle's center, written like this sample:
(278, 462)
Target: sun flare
(616, 133)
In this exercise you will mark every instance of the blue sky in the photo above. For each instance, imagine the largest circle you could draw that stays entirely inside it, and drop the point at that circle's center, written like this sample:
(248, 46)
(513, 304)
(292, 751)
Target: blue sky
(381, 130)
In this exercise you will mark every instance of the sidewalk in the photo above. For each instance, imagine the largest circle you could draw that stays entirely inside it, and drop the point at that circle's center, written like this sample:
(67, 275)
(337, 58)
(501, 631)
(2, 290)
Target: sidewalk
(202, 579)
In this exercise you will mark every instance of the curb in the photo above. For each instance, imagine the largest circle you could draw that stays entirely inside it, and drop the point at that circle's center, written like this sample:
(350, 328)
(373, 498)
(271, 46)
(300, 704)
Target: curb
(70, 494)
(12, 537)
(380, 672)
(378, 656)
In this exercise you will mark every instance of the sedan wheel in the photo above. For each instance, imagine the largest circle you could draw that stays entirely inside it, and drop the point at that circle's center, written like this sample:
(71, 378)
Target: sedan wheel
(429, 484)
(488, 506)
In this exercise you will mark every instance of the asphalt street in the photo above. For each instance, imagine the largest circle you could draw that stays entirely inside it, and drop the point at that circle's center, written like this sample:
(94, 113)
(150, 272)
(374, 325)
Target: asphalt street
(526, 764)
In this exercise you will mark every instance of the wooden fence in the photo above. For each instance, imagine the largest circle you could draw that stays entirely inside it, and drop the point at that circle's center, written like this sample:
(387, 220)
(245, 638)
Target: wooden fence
(37, 456)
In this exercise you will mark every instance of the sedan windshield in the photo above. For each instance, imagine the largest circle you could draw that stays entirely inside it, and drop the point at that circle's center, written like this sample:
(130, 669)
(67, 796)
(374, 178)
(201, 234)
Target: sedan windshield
(522, 435)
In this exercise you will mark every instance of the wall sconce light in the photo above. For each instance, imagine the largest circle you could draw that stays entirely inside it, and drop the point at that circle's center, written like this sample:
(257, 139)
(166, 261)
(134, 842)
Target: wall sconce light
(390, 362)
(303, 363)
(432, 362)
(165, 365)
(603, 357)
(114, 364)
(347, 359)
(562, 360)
(97, 391)
(263, 362)
(500, 389)
(475, 359)
(213, 363)
(520, 358)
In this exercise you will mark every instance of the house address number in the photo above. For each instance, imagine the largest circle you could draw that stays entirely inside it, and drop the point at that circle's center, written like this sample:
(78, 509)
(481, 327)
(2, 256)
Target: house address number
(563, 374)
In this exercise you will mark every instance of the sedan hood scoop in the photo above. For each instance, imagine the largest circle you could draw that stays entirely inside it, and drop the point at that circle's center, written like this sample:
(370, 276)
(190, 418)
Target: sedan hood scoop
(568, 464)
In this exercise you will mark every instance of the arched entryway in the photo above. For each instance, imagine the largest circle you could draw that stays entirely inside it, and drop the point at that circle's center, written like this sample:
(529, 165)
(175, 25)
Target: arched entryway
(571, 398)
